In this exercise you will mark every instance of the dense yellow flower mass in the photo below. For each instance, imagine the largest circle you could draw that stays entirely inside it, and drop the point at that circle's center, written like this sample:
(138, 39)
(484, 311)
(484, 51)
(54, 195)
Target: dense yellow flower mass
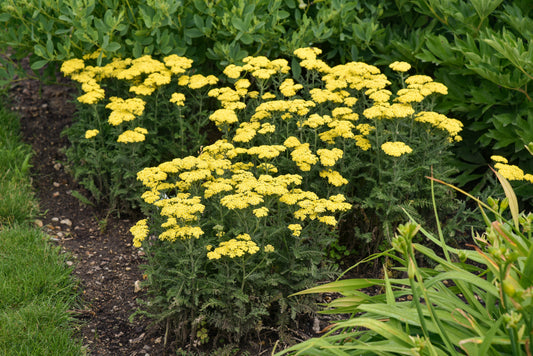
(131, 136)
(237, 247)
(272, 126)
(396, 149)
(91, 133)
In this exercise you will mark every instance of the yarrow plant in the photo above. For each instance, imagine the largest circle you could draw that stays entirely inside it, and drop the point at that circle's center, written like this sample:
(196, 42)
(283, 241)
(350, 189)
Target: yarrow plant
(132, 114)
(235, 229)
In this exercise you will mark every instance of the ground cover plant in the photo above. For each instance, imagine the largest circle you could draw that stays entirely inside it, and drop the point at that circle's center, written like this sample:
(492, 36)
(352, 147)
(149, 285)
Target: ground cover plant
(37, 292)
(232, 231)
(474, 301)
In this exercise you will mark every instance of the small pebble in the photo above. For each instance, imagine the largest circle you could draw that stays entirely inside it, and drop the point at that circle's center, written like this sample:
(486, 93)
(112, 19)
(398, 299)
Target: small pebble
(55, 219)
(56, 184)
(57, 166)
(55, 195)
(66, 222)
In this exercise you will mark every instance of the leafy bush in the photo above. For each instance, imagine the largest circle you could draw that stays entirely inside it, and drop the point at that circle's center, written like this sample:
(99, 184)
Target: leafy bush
(473, 302)
(232, 231)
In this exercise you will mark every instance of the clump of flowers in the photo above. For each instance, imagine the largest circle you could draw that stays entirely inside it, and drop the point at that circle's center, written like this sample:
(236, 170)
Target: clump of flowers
(133, 113)
(252, 214)
(509, 171)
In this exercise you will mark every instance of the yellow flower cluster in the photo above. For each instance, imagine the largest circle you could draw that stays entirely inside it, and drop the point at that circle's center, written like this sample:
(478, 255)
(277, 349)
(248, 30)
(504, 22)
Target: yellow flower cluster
(144, 75)
(91, 133)
(452, 126)
(140, 232)
(236, 247)
(509, 171)
(131, 136)
(243, 173)
(396, 149)
(124, 110)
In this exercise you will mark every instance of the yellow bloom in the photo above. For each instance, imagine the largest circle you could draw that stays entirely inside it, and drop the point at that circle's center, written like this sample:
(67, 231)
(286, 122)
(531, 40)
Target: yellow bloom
(328, 158)
(500, 159)
(269, 248)
(178, 99)
(396, 149)
(334, 177)
(91, 133)
(92, 97)
(72, 65)
(223, 117)
(400, 66)
(288, 88)
(130, 136)
(307, 52)
(296, 229)
(233, 71)
(140, 232)
(236, 247)
(509, 172)
(261, 212)
(178, 65)
(266, 151)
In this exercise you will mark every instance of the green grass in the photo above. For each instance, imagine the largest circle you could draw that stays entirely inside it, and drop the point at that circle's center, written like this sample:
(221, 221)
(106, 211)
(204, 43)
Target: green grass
(37, 290)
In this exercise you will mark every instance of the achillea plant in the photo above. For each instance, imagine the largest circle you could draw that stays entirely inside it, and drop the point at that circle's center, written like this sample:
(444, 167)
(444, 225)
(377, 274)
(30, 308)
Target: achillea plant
(132, 114)
(235, 229)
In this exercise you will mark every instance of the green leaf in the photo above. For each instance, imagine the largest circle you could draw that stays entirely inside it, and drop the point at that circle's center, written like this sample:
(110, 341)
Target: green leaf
(343, 286)
(39, 64)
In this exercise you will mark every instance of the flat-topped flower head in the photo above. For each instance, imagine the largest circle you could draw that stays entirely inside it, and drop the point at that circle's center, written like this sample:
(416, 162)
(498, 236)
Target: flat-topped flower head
(396, 149)
(400, 66)
(91, 133)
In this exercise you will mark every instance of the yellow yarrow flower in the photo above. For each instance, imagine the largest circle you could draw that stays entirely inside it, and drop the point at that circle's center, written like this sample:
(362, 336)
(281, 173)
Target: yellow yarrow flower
(396, 149)
(500, 159)
(236, 247)
(140, 232)
(400, 66)
(509, 172)
(328, 157)
(334, 177)
(72, 66)
(269, 248)
(178, 99)
(260, 212)
(296, 229)
(131, 136)
(91, 133)
(224, 117)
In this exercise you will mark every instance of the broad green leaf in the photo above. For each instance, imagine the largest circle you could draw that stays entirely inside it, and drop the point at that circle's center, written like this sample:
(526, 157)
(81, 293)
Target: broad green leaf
(343, 286)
